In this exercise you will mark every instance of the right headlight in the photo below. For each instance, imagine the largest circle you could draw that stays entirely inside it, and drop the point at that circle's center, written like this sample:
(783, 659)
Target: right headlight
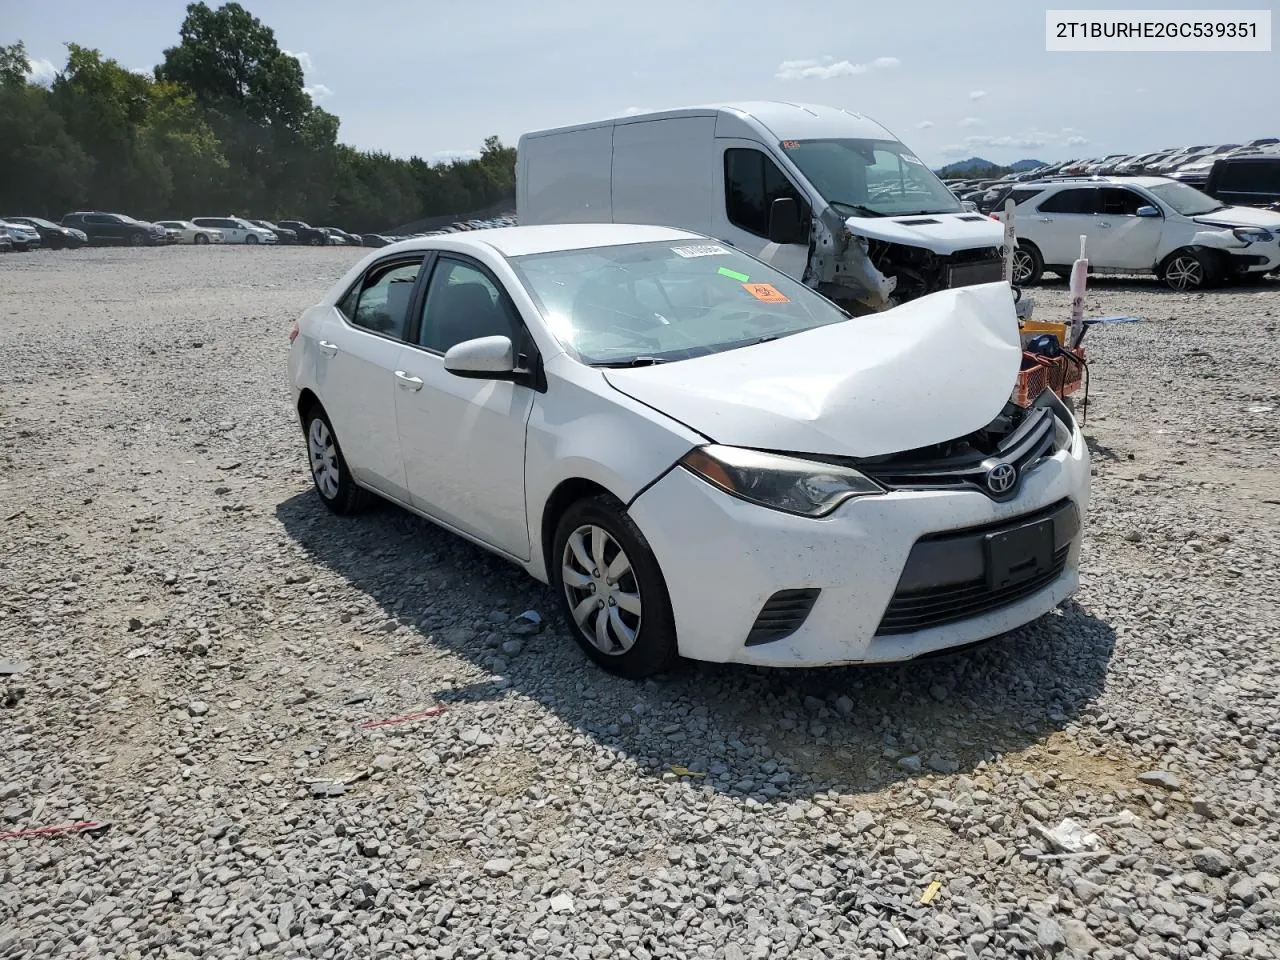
(790, 484)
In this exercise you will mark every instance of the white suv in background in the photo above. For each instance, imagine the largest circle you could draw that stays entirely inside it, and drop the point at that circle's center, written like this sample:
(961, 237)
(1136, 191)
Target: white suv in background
(236, 230)
(1140, 225)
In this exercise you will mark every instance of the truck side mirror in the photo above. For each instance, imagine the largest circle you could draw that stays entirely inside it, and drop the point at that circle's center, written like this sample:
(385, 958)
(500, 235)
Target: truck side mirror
(784, 221)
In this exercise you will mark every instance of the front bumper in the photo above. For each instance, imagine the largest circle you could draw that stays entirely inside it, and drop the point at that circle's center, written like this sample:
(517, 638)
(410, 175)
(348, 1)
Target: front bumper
(723, 559)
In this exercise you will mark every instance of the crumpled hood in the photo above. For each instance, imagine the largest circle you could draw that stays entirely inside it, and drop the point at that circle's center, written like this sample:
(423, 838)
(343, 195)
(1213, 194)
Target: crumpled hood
(943, 233)
(1241, 217)
(931, 370)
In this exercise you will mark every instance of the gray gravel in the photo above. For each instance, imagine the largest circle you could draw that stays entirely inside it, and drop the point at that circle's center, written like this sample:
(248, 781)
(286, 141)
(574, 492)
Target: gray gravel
(200, 643)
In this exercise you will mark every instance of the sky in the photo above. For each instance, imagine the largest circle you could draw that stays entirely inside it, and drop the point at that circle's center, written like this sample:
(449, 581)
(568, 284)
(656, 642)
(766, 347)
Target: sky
(951, 80)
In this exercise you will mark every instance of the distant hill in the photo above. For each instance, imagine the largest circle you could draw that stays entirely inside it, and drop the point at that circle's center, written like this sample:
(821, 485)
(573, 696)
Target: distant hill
(982, 167)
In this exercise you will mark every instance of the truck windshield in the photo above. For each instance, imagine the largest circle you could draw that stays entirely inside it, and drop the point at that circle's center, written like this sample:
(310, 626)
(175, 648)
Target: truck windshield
(871, 177)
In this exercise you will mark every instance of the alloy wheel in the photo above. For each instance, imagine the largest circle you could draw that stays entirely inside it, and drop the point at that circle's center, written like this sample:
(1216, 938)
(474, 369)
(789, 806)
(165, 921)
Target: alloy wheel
(602, 590)
(1022, 266)
(324, 458)
(1184, 272)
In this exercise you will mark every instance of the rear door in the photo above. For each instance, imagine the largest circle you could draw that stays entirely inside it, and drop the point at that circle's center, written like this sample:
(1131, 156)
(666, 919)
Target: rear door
(747, 181)
(357, 348)
(1058, 222)
(104, 228)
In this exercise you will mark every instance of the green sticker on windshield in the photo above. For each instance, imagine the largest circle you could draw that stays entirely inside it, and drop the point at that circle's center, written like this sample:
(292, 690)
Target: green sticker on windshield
(733, 274)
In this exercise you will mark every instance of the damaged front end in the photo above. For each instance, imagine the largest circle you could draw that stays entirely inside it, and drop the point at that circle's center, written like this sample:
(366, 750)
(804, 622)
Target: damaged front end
(868, 265)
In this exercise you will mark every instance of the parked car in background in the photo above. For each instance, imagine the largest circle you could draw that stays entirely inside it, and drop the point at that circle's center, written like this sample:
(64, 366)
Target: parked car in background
(236, 230)
(375, 240)
(188, 232)
(115, 228)
(1141, 225)
(22, 236)
(6, 241)
(1251, 180)
(612, 408)
(283, 234)
(52, 236)
(306, 233)
(341, 236)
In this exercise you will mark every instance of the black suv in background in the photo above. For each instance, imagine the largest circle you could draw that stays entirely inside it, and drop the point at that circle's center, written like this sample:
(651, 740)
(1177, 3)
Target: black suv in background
(103, 228)
(306, 233)
(283, 234)
(1247, 180)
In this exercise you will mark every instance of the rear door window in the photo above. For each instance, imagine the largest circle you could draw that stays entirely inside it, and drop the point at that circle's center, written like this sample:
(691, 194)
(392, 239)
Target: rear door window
(379, 303)
(1074, 200)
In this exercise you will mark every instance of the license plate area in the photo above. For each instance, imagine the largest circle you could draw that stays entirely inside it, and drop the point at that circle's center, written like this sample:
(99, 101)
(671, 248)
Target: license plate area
(1019, 554)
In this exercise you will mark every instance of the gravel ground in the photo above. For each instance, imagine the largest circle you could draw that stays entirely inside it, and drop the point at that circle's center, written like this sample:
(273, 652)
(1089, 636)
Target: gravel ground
(199, 642)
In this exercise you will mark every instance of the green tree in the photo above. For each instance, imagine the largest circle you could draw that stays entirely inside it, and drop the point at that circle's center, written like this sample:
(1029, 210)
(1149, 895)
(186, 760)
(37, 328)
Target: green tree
(13, 65)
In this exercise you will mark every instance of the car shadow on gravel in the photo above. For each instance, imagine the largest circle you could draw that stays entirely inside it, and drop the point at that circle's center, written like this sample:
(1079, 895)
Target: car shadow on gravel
(771, 734)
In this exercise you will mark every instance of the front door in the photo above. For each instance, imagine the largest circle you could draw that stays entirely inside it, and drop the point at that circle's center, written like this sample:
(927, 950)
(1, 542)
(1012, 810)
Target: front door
(1120, 237)
(463, 439)
(747, 183)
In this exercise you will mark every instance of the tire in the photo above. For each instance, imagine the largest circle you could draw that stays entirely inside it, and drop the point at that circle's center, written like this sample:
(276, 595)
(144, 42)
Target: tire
(1028, 265)
(329, 472)
(636, 628)
(201, 238)
(136, 240)
(317, 242)
(251, 239)
(1186, 270)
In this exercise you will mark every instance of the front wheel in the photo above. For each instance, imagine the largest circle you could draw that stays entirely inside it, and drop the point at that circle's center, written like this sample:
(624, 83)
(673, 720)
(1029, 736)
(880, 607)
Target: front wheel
(136, 239)
(329, 471)
(201, 239)
(251, 238)
(612, 591)
(317, 242)
(1186, 270)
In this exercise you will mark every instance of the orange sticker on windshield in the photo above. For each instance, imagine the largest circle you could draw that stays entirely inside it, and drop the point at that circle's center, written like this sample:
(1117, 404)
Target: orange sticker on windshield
(765, 292)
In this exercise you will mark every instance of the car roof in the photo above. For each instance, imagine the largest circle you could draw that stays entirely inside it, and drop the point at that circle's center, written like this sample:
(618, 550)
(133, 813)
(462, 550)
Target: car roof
(521, 241)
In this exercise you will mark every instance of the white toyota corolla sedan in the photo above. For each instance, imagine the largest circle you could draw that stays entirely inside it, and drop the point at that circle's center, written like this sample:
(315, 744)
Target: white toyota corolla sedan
(702, 456)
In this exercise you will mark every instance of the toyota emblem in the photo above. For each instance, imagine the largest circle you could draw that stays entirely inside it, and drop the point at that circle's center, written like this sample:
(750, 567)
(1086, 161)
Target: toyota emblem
(1001, 478)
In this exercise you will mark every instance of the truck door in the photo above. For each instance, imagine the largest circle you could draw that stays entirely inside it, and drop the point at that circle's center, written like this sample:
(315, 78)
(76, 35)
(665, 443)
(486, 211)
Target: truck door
(748, 181)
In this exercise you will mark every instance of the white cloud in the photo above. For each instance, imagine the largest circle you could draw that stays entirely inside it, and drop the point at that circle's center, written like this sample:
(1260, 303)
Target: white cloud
(977, 94)
(924, 124)
(41, 72)
(142, 71)
(318, 91)
(827, 68)
(1077, 141)
(444, 156)
(1022, 143)
(304, 60)
(955, 150)
(971, 122)
(635, 111)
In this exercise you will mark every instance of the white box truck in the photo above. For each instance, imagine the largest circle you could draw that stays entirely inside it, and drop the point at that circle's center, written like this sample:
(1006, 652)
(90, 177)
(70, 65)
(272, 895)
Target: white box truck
(827, 196)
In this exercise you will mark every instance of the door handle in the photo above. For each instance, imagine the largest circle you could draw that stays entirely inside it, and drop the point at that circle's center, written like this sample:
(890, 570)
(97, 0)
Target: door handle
(1046, 219)
(327, 348)
(406, 382)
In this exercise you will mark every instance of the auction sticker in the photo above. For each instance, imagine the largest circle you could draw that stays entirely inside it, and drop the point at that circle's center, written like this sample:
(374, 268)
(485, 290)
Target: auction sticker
(699, 250)
(765, 292)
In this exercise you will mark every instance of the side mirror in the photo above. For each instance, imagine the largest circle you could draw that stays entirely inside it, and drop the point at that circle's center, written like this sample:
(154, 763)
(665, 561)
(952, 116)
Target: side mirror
(485, 358)
(969, 206)
(784, 221)
(1147, 210)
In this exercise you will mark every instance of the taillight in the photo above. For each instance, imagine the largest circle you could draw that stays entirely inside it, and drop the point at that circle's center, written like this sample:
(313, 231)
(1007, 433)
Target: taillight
(293, 332)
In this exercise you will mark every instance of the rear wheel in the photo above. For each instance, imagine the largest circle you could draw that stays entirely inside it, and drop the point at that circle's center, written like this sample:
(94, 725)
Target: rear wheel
(329, 471)
(612, 591)
(1028, 265)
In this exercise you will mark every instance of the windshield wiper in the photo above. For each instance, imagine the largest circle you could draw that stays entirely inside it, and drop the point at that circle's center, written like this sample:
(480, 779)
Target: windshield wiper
(633, 362)
(858, 208)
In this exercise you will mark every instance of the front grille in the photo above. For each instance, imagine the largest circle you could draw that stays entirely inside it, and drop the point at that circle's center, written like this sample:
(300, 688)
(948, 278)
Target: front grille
(936, 606)
(968, 274)
(1031, 441)
(782, 615)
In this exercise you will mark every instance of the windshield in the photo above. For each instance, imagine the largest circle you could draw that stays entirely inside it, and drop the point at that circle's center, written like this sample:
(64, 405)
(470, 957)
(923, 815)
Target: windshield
(1187, 201)
(658, 302)
(871, 177)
